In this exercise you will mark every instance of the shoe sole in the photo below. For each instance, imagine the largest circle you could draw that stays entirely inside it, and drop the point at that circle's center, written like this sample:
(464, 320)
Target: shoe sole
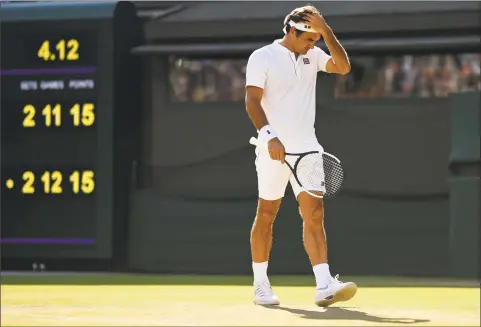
(342, 295)
(267, 303)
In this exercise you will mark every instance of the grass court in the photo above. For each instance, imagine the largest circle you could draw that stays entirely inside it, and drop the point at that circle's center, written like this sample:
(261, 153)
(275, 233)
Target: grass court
(50, 299)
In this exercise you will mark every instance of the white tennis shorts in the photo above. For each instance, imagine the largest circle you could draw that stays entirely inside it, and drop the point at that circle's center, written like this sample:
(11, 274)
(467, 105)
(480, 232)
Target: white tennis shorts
(273, 176)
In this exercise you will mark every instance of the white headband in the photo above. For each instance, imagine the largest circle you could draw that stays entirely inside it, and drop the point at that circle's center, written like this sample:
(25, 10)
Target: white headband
(300, 26)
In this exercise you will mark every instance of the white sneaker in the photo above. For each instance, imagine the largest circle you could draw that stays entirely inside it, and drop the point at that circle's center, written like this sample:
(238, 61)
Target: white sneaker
(264, 295)
(335, 291)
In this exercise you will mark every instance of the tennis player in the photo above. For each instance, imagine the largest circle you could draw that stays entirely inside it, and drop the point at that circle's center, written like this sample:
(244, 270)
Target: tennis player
(280, 101)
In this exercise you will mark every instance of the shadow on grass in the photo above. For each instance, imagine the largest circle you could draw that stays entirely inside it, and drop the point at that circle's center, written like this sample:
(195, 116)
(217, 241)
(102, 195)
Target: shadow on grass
(62, 278)
(338, 313)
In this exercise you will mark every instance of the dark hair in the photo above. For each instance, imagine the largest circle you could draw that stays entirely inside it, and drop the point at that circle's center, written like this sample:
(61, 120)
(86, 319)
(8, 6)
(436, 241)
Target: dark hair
(297, 15)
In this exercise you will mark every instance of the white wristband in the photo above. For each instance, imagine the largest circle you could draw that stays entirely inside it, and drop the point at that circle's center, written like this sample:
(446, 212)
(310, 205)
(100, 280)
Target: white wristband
(266, 134)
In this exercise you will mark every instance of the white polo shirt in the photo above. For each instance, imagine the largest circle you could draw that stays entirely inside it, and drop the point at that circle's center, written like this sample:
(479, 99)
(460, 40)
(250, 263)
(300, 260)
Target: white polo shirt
(289, 99)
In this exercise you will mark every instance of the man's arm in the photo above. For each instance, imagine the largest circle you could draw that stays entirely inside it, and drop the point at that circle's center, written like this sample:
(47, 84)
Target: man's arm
(339, 62)
(254, 108)
(259, 120)
(256, 77)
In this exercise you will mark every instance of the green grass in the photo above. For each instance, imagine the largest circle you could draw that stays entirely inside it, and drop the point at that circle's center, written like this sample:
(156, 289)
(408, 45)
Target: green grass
(212, 300)
(152, 279)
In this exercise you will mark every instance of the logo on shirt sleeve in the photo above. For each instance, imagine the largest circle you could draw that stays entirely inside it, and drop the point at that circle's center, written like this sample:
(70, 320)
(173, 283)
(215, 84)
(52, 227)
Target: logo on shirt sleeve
(306, 61)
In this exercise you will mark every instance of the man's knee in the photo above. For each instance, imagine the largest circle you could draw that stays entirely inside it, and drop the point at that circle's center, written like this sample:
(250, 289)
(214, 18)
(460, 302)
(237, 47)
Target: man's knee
(267, 212)
(312, 213)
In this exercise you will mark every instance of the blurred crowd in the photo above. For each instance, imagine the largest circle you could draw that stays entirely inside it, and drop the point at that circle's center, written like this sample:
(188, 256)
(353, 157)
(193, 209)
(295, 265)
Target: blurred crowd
(208, 80)
(410, 76)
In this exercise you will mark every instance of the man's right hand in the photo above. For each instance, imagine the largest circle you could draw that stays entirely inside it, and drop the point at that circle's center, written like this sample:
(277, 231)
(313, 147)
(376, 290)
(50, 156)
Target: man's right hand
(276, 149)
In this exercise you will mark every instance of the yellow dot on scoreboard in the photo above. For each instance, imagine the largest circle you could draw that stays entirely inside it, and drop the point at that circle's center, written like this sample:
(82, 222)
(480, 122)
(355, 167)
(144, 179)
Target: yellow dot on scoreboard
(10, 184)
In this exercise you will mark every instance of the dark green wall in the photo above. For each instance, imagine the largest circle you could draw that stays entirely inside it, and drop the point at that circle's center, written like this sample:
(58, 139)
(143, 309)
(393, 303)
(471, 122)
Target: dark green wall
(465, 185)
(365, 236)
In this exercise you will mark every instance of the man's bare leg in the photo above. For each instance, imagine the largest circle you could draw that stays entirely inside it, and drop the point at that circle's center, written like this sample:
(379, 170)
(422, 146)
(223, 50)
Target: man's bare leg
(261, 243)
(328, 289)
(314, 235)
(261, 236)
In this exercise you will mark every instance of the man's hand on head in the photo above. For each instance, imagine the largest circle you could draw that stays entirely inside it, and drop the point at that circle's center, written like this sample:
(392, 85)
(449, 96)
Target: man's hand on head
(316, 21)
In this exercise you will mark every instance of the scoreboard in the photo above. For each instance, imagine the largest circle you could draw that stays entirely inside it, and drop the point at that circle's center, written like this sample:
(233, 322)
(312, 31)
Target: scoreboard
(65, 86)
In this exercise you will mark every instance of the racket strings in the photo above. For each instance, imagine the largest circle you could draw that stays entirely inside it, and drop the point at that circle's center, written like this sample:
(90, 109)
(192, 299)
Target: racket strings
(310, 172)
(334, 175)
(320, 173)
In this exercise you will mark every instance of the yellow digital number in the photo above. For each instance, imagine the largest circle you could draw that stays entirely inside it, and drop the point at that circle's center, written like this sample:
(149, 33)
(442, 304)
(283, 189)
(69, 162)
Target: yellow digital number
(48, 112)
(84, 116)
(73, 46)
(52, 115)
(61, 49)
(29, 178)
(57, 182)
(52, 182)
(44, 51)
(83, 181)
(88, 115)
(66, 50)
(29, 119)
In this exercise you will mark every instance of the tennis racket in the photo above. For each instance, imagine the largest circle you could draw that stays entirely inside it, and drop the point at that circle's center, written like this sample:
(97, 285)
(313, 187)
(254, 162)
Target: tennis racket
(320, 174)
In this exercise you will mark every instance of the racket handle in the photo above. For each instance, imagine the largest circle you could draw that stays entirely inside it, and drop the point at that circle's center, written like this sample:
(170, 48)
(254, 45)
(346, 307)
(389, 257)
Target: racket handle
(254, 141)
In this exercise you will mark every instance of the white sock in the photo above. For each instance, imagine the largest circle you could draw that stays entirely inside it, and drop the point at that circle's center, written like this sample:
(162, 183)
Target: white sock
(260, 271)
(322, 274)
